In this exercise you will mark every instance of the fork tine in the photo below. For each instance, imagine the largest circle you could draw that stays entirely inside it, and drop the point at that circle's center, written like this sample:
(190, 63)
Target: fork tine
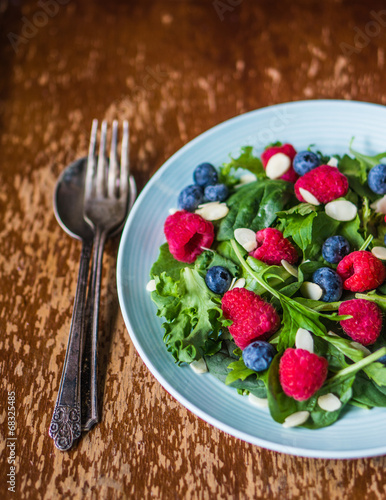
(91, 159)
(113, 164)
(124, 177)
(100, 175)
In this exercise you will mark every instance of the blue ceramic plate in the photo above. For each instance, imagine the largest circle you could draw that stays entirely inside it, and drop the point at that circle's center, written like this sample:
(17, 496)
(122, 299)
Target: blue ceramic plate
(327, 124)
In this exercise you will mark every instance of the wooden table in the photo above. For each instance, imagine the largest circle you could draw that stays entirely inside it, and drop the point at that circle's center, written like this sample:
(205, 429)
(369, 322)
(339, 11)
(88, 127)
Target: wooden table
(173, 69)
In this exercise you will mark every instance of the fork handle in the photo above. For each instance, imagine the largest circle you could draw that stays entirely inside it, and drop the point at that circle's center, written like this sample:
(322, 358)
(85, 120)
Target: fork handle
(90, 413)
(65, 425)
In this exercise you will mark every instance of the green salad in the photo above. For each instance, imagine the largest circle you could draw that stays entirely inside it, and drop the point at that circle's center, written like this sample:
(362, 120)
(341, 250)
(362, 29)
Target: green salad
(330, 221)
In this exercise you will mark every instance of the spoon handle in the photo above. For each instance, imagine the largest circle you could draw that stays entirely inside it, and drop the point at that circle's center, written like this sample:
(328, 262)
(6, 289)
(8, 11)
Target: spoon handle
(90, 413)
(65, 425)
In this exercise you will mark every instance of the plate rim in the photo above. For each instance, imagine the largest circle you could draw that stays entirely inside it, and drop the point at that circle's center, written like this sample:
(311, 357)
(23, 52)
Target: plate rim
(270, 445)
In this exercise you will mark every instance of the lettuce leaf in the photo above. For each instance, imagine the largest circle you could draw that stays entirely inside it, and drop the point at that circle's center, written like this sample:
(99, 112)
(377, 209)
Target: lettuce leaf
(193, 315)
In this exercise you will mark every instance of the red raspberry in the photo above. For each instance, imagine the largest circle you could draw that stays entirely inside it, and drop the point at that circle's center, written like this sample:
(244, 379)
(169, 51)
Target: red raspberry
(366, 322)
(252, 317)
(273, 247)
(286, 149)
(326, 183)
(186, 234)
(302, 373)
(361, 271)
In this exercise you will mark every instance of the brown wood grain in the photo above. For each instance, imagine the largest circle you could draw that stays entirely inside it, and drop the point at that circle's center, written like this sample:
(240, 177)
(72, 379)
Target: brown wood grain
(173, 69)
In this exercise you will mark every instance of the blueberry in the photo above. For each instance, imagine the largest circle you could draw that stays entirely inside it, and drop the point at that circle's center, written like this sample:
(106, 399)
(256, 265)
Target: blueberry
(377, 179)
(205, 175)
(218, 279)
(335, 248)
(305, 161)
(218, 192)
(330, 282)
(258, 355)
(382, 360)
(190, 197)
(384, 239)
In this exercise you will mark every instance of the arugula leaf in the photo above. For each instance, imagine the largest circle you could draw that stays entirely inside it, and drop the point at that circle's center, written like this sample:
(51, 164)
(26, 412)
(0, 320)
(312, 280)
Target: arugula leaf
(362, 364)
(246, 161)
(295, 315)
(193, 315)
(372, 296)
(356, 174)
(366, 162)
(254, 206)
(308, 227)
(351, 231)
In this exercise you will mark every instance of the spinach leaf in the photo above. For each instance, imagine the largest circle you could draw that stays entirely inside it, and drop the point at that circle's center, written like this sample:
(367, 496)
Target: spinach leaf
(254, 206)
(220, 366)
(211, 258)
(367, 393)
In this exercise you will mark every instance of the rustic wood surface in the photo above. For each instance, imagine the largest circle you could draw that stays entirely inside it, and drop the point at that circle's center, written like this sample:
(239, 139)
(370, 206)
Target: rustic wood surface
(173, 69)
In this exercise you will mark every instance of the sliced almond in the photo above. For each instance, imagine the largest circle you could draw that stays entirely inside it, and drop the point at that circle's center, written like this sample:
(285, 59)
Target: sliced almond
(212, 211)
(247, 178)
(379, 252)
(277, 165)
(360, 347)
(329, 402)
(333, 162)
(172, 211)
(297, 418)
(379, 205)
(240, 283)
(309, 197)
(246, 238)
(259, 402)
(150, 287)
(199, 366)
(332, 334)
(304, 340)
(289, 268)
(341, 210)
(311, 290)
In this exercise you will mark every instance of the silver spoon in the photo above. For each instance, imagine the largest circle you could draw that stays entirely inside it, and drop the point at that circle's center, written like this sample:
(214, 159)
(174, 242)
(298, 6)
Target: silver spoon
(65, 425)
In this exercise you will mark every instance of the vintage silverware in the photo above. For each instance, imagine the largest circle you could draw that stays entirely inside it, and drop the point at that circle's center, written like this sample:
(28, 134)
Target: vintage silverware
(65, 425)
(76, 405)
(109, 195)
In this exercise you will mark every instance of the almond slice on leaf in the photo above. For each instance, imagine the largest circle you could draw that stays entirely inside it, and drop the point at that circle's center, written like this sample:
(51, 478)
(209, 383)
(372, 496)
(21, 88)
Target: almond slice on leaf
(297, 418)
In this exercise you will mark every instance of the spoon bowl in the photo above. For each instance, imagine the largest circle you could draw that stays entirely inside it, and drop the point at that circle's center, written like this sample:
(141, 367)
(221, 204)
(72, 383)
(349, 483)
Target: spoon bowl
(69, 200)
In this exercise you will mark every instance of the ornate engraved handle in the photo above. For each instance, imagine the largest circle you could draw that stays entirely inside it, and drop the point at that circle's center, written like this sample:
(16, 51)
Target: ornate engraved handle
(65, 425)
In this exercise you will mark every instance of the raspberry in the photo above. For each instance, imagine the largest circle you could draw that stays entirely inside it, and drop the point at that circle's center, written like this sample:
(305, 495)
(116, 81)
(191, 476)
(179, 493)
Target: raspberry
(325, 182)
(186, 234)
(273, 247)
(286, 149)
(252, 317)
(366, 322)
(361, 271)
(302, 373)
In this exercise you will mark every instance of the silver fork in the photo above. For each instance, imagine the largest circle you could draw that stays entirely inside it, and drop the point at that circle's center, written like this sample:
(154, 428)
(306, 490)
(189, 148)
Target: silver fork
(109, 195)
